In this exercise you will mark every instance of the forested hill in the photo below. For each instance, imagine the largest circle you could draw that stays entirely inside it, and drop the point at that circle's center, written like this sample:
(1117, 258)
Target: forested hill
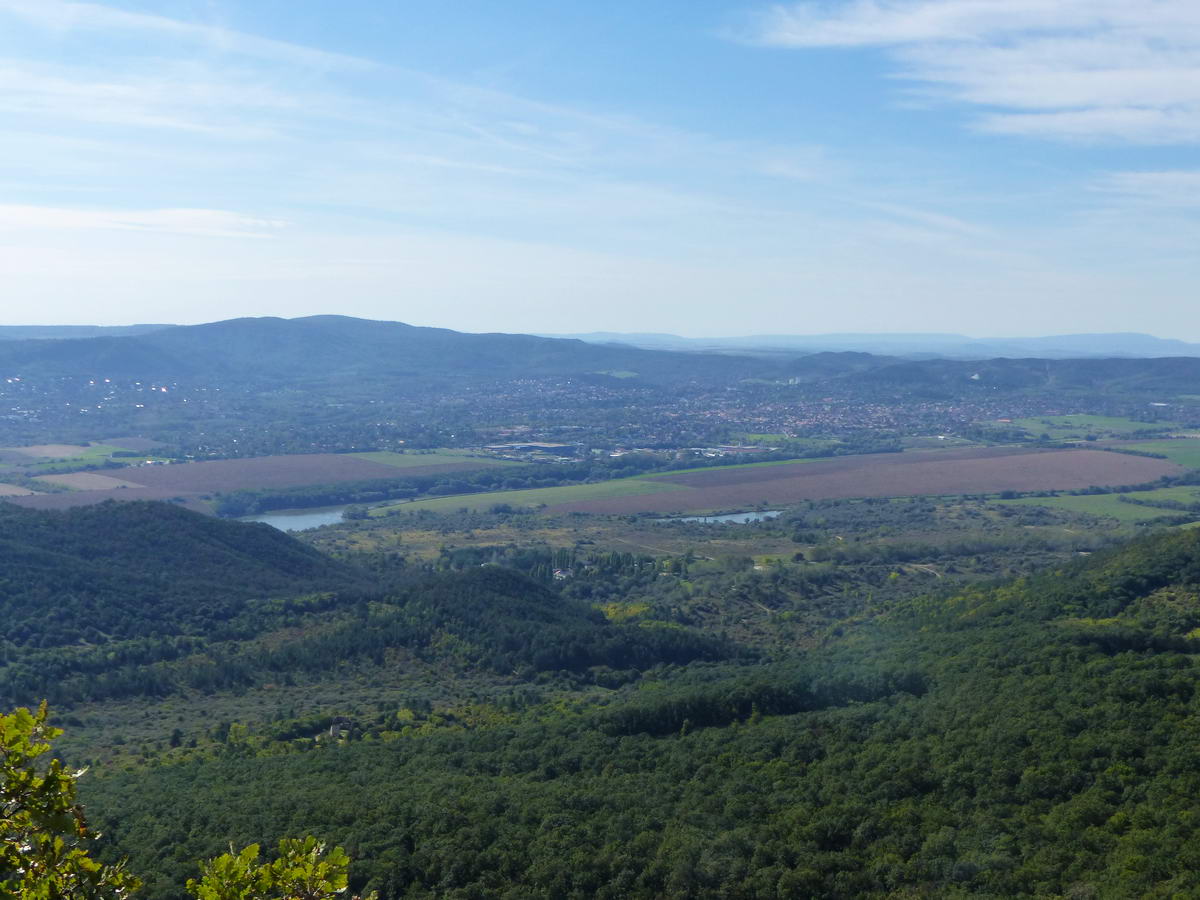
(143, 599)
(340, 350)
(122, 570)
(1166, 376)
(291, 351)
(1035, 738)
(61, 332)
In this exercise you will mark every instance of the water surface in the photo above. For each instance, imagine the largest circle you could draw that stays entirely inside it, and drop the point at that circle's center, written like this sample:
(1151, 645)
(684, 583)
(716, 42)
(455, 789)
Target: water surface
(299, 519)
(741, 518)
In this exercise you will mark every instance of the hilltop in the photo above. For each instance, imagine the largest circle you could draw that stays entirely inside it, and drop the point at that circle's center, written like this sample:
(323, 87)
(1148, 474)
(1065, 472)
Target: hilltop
(337, 348)
(62, 332)
(1165, 376)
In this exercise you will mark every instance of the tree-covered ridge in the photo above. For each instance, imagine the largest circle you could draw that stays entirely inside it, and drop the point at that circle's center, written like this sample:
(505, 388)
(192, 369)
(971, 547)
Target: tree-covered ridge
(45, 840)
(976, 745)
(141, 599)
(128, 570)
(341, 349)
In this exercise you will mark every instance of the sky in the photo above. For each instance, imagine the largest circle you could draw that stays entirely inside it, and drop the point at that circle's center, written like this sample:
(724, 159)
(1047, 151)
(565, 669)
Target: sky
(698, 167)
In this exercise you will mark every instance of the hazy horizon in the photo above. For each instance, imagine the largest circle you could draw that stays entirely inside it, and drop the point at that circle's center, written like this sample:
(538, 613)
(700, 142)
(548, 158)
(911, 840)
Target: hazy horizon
(710, 168)
(883, 336)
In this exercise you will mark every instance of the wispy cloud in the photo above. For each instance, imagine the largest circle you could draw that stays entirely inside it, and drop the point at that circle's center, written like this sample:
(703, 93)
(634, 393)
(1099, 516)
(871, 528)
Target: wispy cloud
(1177, 189)
(262, 131)
(64, 16)
(1113, 70)
(198, 222)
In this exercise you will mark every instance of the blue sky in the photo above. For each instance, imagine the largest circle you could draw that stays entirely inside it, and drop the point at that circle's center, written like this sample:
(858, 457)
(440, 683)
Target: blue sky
(989, 167)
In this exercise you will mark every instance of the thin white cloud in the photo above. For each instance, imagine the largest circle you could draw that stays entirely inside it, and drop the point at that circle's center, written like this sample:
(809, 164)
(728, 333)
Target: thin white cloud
(64, 16)
(198, 222)
(1173, 189)
(172, 100)
(1112, 70)
(934, 221)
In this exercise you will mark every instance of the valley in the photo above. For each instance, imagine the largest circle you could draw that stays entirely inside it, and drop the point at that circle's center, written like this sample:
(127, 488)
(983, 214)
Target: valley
(511, 661)
(739, 450)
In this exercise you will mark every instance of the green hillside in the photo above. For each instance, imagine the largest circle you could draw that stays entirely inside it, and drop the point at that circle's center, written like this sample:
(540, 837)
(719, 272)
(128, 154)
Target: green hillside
(142, 600)
(1033, 738)
(125, 570)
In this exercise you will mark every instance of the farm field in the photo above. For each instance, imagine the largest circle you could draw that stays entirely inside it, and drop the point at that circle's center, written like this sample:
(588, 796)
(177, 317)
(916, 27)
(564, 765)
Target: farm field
(552, 496)
(947, 472)
(1112, 506)
(1184, 451)
(41, 457)
(63, 451)
(424, 461)
(43, 453)
(1068, 428)
(916, 473)
(194, 482)
(12, 490)
(53, 459)
(88, 481)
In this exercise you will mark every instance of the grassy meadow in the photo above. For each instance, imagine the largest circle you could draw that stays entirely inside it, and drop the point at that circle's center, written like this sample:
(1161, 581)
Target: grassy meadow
(1076, 428)
(1184, 451)
(571, 493)
(1112, 506)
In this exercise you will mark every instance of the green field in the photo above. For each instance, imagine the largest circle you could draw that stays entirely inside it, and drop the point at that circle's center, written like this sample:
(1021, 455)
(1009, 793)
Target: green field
(753, 465)
(63, 458)
(1184, 451)
(1067, 428)
(570, 493)
(1112, 506)
(753, 438)
(437, 458)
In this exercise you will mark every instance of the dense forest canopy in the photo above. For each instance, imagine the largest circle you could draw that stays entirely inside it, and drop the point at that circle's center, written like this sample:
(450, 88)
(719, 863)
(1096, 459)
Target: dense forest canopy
(555, 737)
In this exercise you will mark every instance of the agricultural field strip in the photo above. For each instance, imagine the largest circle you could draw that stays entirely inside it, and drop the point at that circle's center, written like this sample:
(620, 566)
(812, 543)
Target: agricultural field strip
(1080, 425)
(1184, 451)
(739, 486)
(284, 471)
(88, 481)
(41, 453)
(192, 481)
(621, 487)
(892, 475)
(1112, 506)
(438, 458)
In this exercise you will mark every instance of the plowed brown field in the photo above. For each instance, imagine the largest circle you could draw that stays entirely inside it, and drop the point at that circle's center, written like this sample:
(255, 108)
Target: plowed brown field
(192, 482)
(275, 472)
(971, 471)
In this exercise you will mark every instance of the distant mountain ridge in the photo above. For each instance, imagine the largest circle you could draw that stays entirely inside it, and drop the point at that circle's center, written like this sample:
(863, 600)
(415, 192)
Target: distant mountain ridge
(340, 347)
(947, 346)
(944, 378)
(318, 352)
(67, 332)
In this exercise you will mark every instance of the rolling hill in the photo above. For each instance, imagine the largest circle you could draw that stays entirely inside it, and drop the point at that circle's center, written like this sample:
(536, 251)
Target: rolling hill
(1032, 738)
(292, 351)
